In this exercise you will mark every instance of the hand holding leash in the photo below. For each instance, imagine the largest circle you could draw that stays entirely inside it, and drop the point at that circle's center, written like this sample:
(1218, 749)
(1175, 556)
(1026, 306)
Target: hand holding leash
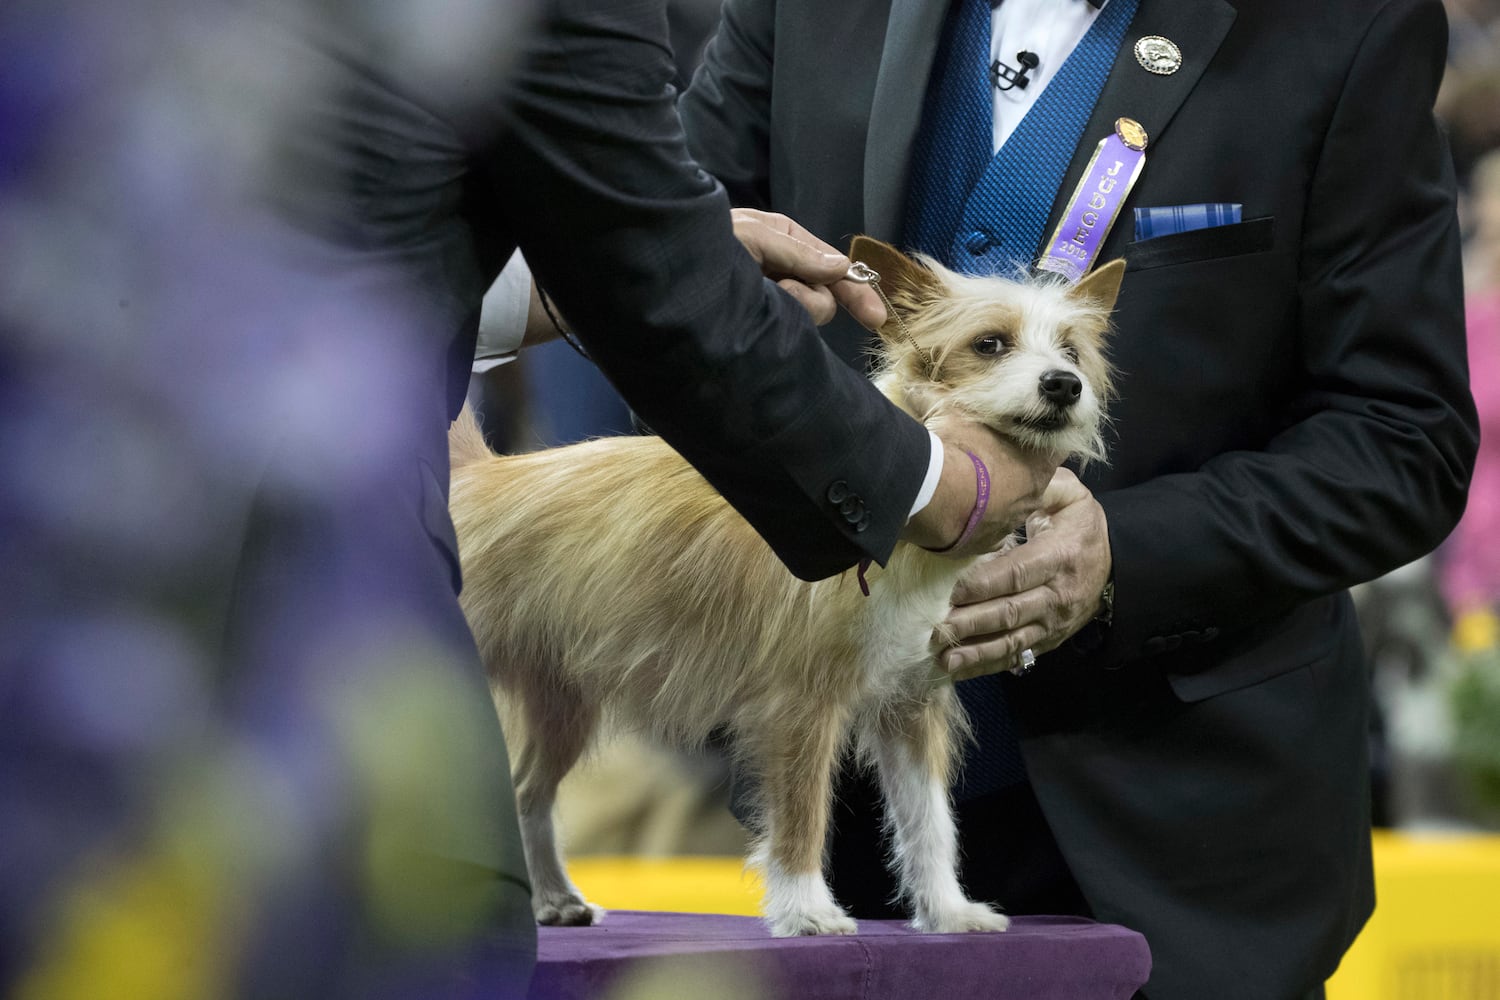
(811, 271)
(1037, 595)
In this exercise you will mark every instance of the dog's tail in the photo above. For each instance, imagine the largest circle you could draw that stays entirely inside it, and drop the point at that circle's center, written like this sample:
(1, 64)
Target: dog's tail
(466, 441)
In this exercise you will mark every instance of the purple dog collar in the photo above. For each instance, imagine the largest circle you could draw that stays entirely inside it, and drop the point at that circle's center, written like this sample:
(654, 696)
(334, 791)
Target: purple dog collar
(981, 504)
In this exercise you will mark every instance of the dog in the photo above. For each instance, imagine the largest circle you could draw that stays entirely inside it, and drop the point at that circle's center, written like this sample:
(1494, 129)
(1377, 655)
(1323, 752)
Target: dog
(606, 582)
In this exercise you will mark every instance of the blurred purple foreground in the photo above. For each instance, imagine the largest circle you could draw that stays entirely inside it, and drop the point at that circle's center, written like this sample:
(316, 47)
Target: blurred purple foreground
(194, 804)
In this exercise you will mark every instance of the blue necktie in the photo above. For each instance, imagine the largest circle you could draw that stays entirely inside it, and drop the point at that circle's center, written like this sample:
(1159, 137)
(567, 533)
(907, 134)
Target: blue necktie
(979, 212)
(956, 139)
(1007, 208)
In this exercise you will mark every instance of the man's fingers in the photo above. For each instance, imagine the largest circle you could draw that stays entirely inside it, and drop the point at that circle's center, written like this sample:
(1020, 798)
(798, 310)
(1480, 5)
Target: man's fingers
(994, 617)
(1015, 572)
(787, 253)
(991, 656)
(1064, 490)
(817, 300)
(786, 250)
(1036, 595)
(863, 303)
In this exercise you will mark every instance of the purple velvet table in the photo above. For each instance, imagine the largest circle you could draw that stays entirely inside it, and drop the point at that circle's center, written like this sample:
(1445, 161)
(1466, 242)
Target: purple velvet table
(1039, 958)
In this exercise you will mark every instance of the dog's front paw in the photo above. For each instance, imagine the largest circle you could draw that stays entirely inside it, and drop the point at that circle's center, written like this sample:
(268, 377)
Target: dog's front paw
(961, 920)
(810, 923)
(566, 910)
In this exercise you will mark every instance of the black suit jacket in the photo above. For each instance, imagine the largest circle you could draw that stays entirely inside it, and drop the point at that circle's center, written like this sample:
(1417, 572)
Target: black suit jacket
(408, 183)
(1294, 418)
(573, 152)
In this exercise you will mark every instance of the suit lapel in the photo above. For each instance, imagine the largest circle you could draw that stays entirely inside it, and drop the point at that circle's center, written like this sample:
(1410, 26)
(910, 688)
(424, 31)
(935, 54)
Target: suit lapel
(1197, 27)
(911, 40)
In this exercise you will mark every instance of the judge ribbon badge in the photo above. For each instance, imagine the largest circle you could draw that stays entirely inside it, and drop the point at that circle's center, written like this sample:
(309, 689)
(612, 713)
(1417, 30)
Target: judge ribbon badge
(1096, 202)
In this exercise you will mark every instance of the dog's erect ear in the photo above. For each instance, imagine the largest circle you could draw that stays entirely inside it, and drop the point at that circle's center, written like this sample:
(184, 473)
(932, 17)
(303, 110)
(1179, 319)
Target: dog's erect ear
(906, 283)
(907, 288)
(1101, 286)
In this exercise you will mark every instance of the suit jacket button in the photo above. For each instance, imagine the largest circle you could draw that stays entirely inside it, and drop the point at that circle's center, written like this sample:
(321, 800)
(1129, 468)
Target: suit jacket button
(864, 522)
(1210, 634)
(852, 508)
(977, 242)
(1173, 643)
(838, 491)
(1155, 644)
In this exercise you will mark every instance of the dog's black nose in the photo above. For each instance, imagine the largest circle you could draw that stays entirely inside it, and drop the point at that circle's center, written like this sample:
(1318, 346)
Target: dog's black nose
(1061, 388)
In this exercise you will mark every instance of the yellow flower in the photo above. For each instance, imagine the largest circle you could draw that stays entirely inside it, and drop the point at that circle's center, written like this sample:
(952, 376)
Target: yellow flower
(150, 928)
(1476, 631)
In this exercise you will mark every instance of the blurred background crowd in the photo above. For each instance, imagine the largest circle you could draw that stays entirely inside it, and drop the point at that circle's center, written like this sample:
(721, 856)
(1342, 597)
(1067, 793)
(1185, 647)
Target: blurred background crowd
(131, 293)
(1432, 628)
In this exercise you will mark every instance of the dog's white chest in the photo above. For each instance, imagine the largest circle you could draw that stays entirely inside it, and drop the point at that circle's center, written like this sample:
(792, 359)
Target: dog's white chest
(897, 634)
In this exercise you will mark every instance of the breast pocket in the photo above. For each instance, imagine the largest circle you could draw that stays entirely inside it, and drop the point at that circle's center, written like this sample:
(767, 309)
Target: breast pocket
(1215, 242)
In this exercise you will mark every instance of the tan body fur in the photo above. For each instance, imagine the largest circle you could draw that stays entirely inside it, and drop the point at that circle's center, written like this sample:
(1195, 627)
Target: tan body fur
(607, 582)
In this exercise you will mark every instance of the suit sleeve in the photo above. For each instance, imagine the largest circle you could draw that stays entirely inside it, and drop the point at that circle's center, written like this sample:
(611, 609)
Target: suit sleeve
(727, 110)
(633, 241)
(727, 115)
(1372, 468)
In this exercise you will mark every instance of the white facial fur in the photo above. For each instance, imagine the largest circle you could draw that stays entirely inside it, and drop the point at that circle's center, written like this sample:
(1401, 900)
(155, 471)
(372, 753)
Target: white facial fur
(1041, 326)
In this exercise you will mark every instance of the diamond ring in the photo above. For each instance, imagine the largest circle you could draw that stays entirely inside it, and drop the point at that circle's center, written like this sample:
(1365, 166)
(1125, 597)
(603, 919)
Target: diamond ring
(1028, 660)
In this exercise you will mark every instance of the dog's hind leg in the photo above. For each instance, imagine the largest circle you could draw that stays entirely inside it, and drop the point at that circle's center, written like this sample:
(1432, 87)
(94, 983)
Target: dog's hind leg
(911, 745)
(559, 728)
(797, 761)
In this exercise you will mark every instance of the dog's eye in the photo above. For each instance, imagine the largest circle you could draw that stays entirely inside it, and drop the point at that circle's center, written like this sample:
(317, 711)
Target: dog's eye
(988, 345)
(1070, 352)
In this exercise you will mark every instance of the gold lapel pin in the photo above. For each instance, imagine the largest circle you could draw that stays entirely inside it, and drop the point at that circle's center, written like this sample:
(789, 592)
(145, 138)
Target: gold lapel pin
(1131, 133)
(1158, 55)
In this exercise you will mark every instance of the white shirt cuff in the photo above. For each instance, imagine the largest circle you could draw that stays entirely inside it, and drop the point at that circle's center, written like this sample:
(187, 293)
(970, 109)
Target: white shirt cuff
(502, 321)
(934, 473)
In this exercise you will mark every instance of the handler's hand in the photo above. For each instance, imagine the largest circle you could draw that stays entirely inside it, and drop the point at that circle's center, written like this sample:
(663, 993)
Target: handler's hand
(1018, 481)
(1038, 594)
(808, 269)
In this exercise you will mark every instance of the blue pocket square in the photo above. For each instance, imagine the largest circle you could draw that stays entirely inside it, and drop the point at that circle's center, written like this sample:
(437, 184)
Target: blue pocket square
(1153, 222)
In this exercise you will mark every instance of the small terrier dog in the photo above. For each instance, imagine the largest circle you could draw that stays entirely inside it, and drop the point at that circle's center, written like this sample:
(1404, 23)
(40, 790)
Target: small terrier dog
(608, 582)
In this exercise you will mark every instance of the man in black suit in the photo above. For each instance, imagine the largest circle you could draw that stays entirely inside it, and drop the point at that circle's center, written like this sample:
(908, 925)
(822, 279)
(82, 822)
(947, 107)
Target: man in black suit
(1294, 418)
(406, 182)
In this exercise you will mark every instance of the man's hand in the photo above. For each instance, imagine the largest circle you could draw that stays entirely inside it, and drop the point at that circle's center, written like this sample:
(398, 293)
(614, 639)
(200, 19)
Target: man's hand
(1018, 480)
(808, 269)
(1037, 595)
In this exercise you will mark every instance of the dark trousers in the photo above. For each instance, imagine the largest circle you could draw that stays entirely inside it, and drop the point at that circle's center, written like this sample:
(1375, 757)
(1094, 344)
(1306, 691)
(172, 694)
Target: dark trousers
(1008, 857)
(995, 833)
